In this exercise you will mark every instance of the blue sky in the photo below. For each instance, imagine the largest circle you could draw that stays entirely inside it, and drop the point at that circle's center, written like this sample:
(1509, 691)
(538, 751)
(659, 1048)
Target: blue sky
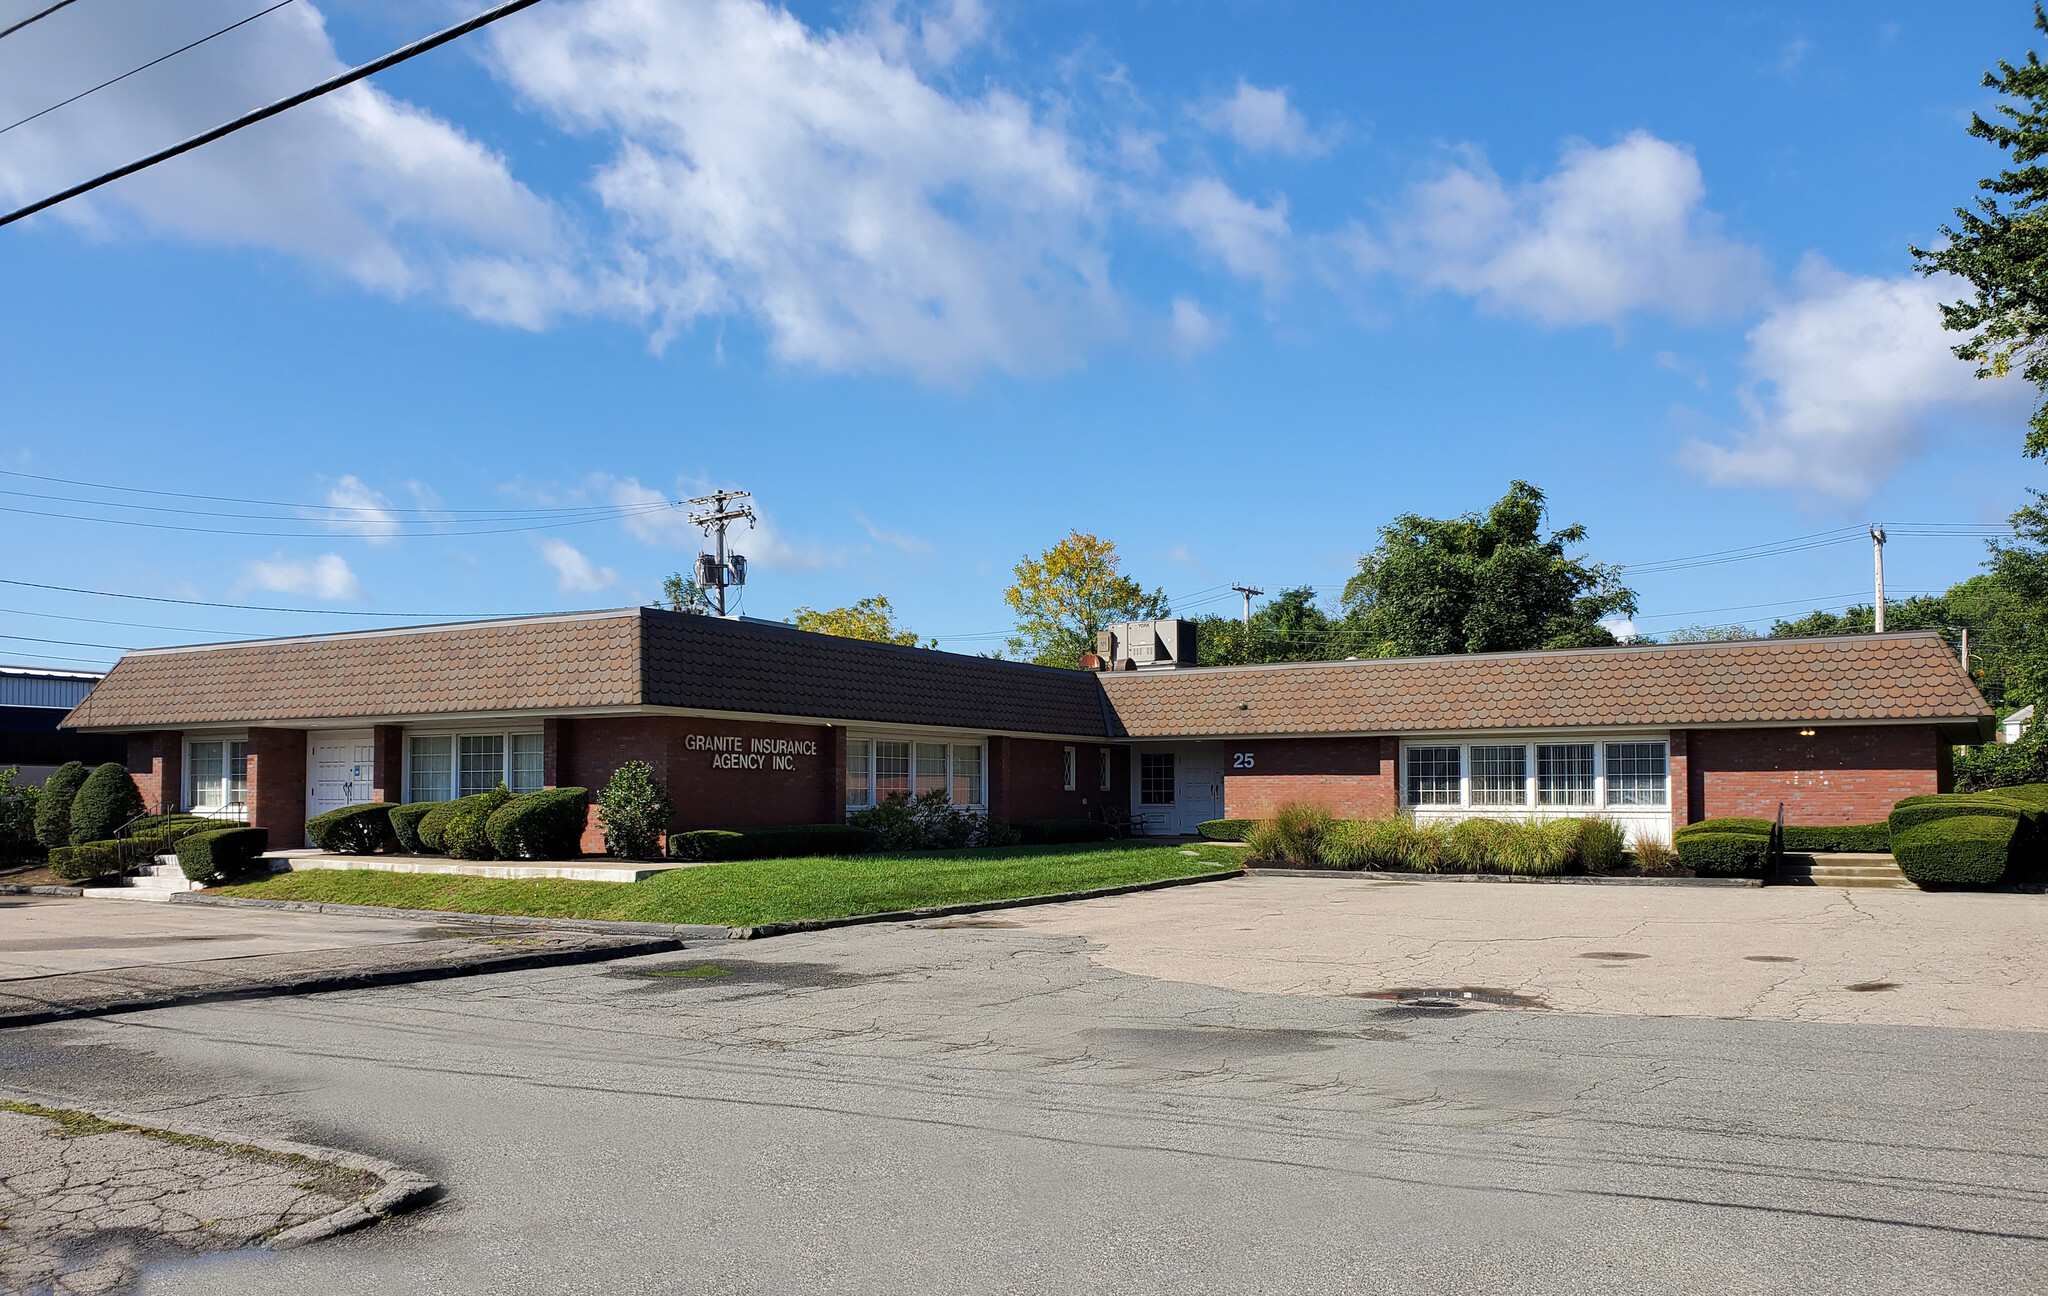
(1230, 284)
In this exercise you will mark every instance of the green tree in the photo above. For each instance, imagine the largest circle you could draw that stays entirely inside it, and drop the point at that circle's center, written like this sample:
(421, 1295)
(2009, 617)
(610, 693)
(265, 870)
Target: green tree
(1484, 582)
(682, 594)
(1068, 593)
(2001, 247)
(1711, 634)
(1289, 627)
(871, 619)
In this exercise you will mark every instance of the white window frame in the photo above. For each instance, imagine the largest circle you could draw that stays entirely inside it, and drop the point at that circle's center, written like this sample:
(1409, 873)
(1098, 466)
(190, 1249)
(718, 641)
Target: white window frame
(1173, 778)
(865, 745)
(1070, 767)
(1602, 801)
(1106, 773)
(507, 757)
(190, 793)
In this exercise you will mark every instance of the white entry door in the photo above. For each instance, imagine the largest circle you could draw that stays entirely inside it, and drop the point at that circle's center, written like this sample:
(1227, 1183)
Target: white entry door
(340, 771)
(1199, 796)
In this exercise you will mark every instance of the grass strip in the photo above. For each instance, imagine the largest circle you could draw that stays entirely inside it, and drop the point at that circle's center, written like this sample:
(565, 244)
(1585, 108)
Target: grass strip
(749, 893)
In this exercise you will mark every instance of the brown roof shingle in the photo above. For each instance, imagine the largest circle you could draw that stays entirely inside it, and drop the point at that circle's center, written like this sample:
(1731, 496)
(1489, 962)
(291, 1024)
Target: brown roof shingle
(1883, 678)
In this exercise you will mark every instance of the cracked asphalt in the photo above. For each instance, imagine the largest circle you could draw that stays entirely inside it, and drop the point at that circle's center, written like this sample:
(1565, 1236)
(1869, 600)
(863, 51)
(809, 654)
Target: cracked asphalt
(1008, 1104)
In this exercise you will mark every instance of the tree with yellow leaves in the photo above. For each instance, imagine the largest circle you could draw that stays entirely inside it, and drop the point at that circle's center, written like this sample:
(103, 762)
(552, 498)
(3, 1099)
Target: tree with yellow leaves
(871, 619)
(1066, 594)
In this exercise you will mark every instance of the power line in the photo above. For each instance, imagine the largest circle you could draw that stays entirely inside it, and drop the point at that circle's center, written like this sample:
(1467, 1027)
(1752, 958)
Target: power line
(328, 86)
(145, 67)
(258, 607)
(34, 18)
(488, 514)
(347, 525)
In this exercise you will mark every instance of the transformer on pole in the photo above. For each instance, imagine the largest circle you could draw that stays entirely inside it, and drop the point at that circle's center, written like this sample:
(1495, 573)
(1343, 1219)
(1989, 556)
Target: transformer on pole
(720, 570)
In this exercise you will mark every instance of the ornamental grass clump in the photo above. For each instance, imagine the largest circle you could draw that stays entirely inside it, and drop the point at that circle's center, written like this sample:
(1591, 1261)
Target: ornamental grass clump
(1298, 834)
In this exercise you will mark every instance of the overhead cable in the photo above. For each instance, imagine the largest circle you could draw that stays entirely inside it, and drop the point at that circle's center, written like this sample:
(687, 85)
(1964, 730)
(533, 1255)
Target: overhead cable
(328, 86)
(35, 17)
(491, 514)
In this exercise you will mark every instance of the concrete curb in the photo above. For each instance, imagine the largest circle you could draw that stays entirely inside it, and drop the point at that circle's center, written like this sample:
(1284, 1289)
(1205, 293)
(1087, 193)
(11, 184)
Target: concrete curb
(324, 983)
(402, 1190)
(977, 906)
(1504, 877)
(15, 888)
(483, 922)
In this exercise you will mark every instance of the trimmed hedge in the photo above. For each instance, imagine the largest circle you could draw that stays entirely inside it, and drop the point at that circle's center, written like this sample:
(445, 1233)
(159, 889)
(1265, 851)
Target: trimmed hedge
(221, 854)
(352, 830)
(468, 833)
(544, 825)
(1724, 854)
(1966, 851)
(405, 825)
(1061, 832)
(1915, 811)
(106, 802)
(1746, 827)
(772, 843)
(1850, 837)
(1226, 829)
(86, 862)
(2025, 850)
(103, 858)
(53, 808)
(433, 827)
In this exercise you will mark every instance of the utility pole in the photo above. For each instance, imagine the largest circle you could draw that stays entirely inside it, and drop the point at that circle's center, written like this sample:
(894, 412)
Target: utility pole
(1877, 546)
(1247, 591)
(715, 512)
(1966, 650)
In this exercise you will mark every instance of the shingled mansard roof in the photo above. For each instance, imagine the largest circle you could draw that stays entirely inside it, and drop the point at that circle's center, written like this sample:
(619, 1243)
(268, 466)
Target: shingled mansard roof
(636, 657)
(623, 658)
(1880, 679)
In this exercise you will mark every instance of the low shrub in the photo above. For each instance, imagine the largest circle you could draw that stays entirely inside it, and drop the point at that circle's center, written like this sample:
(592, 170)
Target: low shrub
(1225, 829)
(85, 862)
(405, 825)
(1061, 832)
(1390, 845)
(546, 825)
(105, 803)
(221, 854)
(1600, 844)
(1296, 835)
(1654, 858)
(772, 843)
(434, 823)
(634, 809)
(18, 803)
(930, 822)
(53, 809)
(1724, 854)
(2000, 804)
(1747, 827)
(468, 834)
(352, 830)
(1966, 851)
(1847, 837)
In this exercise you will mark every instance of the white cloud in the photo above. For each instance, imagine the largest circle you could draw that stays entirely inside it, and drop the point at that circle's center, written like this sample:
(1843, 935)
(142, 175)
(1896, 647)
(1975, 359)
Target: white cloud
(1249, 239)
(574, 574)
(815, 183)
(1194, 329)
(355, 509)
(1262, 121)
(326, 577)
(391, 196)
(938, 35)
(897, 540)
(1610, 232)
(1847, 374)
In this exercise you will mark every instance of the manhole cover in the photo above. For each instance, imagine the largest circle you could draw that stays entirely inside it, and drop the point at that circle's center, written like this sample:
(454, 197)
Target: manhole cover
(1454, 997)
(1874, 985)
(1613, 956)
(1768, 958)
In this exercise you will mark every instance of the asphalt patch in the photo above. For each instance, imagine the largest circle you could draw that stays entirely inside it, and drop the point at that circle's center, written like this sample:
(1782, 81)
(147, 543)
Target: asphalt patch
(1613, 956)
(951, 924)
(1768, 958)
(1220, 1043)
(1411, 1001)
(741, 979)
(1873, 985)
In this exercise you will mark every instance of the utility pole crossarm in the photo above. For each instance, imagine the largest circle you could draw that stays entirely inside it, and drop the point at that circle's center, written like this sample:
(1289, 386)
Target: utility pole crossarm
(714, 513)
(1247, 591)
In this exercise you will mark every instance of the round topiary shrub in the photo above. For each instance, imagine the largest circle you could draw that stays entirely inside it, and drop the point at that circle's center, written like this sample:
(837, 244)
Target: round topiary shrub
(467, 835)
(53, 808)
(545, 825)
(434, 824)
(106, 802)
(405, 825)
(352, 830)
(635, 811)
(1967, 851)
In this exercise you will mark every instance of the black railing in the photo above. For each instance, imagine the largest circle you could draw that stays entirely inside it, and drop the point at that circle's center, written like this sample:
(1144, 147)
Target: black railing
(1774, 860)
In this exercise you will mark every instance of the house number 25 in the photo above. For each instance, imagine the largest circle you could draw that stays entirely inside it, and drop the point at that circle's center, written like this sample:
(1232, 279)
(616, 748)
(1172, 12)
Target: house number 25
(1241, 760)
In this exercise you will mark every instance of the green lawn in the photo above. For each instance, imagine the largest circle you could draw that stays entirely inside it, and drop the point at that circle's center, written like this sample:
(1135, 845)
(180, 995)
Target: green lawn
(753, 892)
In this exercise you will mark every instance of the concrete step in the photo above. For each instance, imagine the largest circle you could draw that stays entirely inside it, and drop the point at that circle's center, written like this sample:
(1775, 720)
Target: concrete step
(159, 881)
(1844, 869)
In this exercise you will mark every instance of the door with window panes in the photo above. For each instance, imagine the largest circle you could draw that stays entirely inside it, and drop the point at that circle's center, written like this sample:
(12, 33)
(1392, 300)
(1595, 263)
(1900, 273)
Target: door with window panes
(340, 769)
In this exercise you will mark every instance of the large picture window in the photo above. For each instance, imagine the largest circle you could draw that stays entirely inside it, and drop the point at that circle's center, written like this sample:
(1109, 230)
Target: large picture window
(218, 771)
(1155, 778)
(859, 752)
(880, 768)
(1564, 774)
(1635, 774)
(1433, 774)
(1500, 776)
(441, 767)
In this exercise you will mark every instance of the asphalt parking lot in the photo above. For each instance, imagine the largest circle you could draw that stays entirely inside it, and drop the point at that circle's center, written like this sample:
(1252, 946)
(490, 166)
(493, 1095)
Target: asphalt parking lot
(1007, 1103)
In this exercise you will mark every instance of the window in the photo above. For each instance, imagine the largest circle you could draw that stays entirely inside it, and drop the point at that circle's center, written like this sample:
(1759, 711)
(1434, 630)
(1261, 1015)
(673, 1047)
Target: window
(1103, 780)
(441, 767)
(859, 752)
(967, 774)
(432, 769)
(1069, 775)
(219, 772)
(1433, 776)
(1500, 775)
(1155, 778)
(931, 767)
(482, 763)
(892, 770)
(1564, 774)
(529, 763)
(1635, 774)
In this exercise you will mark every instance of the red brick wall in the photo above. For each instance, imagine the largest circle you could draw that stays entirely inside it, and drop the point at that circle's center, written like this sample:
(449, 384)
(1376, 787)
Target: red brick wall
(157, 761)
(1838, 776)
(1354, 777)
(387, 745)
(583, 753)
(1679, 776)
(277, 785)
(1028, 779)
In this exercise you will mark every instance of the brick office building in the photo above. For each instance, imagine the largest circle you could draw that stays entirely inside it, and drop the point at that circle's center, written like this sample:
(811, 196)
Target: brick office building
(754, 723)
